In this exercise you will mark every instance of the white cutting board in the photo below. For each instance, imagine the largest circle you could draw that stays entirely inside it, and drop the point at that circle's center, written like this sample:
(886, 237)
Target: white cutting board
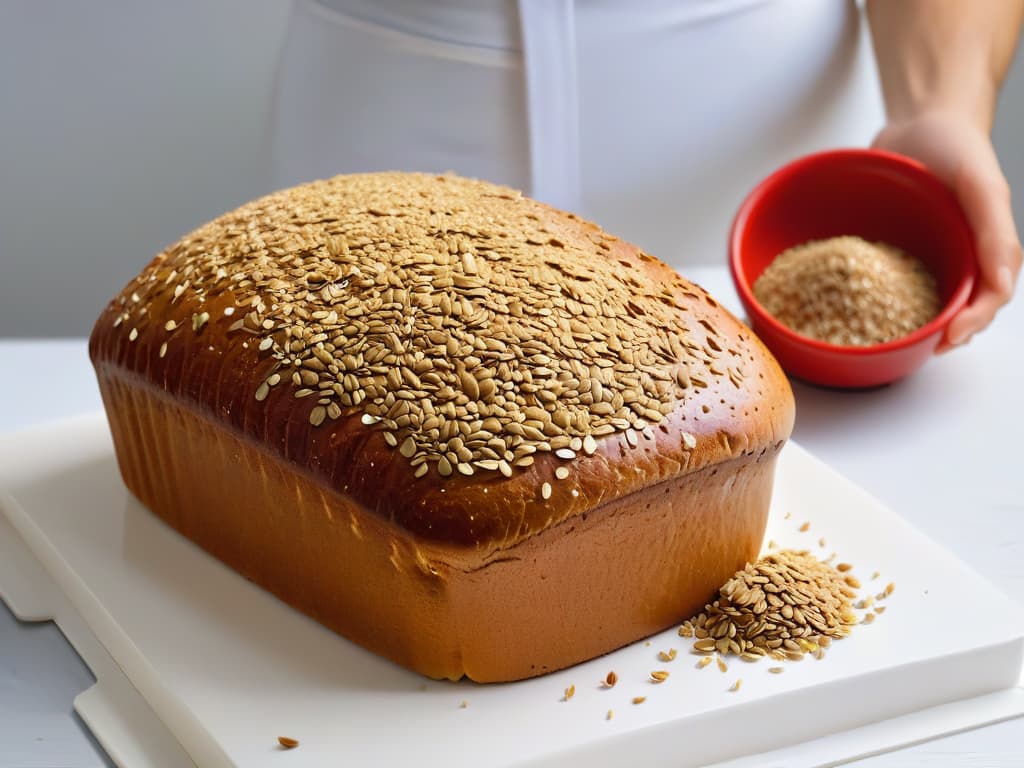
(227, 668)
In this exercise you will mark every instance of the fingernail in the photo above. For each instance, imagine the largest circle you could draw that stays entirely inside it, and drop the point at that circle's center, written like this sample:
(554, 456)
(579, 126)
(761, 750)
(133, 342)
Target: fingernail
(958, 338)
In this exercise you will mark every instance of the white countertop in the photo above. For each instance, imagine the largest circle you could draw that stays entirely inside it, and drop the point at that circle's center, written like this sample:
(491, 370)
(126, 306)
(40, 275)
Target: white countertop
(942, 448)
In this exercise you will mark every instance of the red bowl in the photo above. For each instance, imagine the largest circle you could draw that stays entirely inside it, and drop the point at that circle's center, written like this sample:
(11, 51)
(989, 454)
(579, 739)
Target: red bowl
(878, 196)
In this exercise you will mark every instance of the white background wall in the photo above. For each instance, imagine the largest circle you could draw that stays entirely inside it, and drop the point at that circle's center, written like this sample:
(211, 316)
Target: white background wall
(126, 123)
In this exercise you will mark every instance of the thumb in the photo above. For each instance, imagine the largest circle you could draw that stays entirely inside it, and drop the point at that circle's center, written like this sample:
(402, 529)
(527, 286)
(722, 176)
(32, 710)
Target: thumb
(985, 199)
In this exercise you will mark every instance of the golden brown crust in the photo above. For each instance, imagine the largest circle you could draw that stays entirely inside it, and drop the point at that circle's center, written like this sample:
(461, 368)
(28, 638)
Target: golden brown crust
(581, 588)
(216, 368)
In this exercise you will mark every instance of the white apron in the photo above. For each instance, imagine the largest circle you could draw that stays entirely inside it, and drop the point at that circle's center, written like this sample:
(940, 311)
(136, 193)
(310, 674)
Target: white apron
(651, 117)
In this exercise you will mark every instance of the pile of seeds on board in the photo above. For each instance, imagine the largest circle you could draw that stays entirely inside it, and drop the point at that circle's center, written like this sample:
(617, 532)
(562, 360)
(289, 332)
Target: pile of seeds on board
(848, 291)
(785, 605)
(468, 324)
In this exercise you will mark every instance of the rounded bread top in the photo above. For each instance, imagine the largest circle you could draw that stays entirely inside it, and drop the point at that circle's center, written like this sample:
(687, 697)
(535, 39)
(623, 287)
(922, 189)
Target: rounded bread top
(444, 335)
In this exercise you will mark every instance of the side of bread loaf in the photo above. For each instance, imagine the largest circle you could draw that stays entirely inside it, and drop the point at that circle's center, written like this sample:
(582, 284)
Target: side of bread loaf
(470, 432)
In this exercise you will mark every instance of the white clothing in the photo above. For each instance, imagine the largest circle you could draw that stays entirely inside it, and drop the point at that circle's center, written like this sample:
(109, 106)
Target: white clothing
(680, 106)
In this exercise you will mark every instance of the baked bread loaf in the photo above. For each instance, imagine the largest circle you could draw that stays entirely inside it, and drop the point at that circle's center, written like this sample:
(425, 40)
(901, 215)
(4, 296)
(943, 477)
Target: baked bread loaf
(472, 433)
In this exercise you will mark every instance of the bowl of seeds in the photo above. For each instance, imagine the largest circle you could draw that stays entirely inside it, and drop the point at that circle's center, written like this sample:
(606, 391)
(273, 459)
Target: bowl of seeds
(850, 264)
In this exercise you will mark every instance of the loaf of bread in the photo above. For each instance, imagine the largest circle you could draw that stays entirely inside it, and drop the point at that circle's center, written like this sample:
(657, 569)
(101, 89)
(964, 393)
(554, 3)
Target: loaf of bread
(472, 433)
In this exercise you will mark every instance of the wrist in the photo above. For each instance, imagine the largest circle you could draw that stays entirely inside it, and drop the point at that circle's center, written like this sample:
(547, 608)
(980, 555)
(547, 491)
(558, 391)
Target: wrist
(935, 114)
(971, 103)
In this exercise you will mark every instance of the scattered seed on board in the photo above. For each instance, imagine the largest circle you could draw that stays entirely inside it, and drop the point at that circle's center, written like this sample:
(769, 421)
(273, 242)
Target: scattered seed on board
(463, 704)
(776, 670)
(722, 666)
(639, 699)
(669, 655)
(287, 742)
(803, 528)
(784, 605)
(610, 715)
(570, 692)
(704, 662)
(611, 679)
(736, 686)
(659, 676)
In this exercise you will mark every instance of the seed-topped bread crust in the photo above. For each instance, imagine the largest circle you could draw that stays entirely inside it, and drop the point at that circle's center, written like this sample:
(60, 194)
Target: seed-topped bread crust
(467, 363)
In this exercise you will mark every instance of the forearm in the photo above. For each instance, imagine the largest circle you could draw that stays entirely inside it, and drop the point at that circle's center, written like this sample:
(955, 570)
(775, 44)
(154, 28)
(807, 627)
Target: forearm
(944, 55)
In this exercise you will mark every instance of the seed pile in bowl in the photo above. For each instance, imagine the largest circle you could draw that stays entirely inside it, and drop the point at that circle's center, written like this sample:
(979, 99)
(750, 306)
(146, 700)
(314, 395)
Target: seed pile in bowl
(785, 605)
(847, 291)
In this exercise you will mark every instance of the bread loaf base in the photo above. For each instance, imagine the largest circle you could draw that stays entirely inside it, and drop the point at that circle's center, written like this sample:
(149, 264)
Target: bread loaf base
(582, 588)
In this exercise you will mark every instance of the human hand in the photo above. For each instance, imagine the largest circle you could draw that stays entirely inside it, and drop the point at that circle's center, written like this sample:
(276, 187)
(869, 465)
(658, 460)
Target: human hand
(960, 153)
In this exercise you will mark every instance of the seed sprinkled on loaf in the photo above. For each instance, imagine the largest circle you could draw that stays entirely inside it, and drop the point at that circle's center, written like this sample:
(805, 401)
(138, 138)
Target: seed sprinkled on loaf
(474, 332)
